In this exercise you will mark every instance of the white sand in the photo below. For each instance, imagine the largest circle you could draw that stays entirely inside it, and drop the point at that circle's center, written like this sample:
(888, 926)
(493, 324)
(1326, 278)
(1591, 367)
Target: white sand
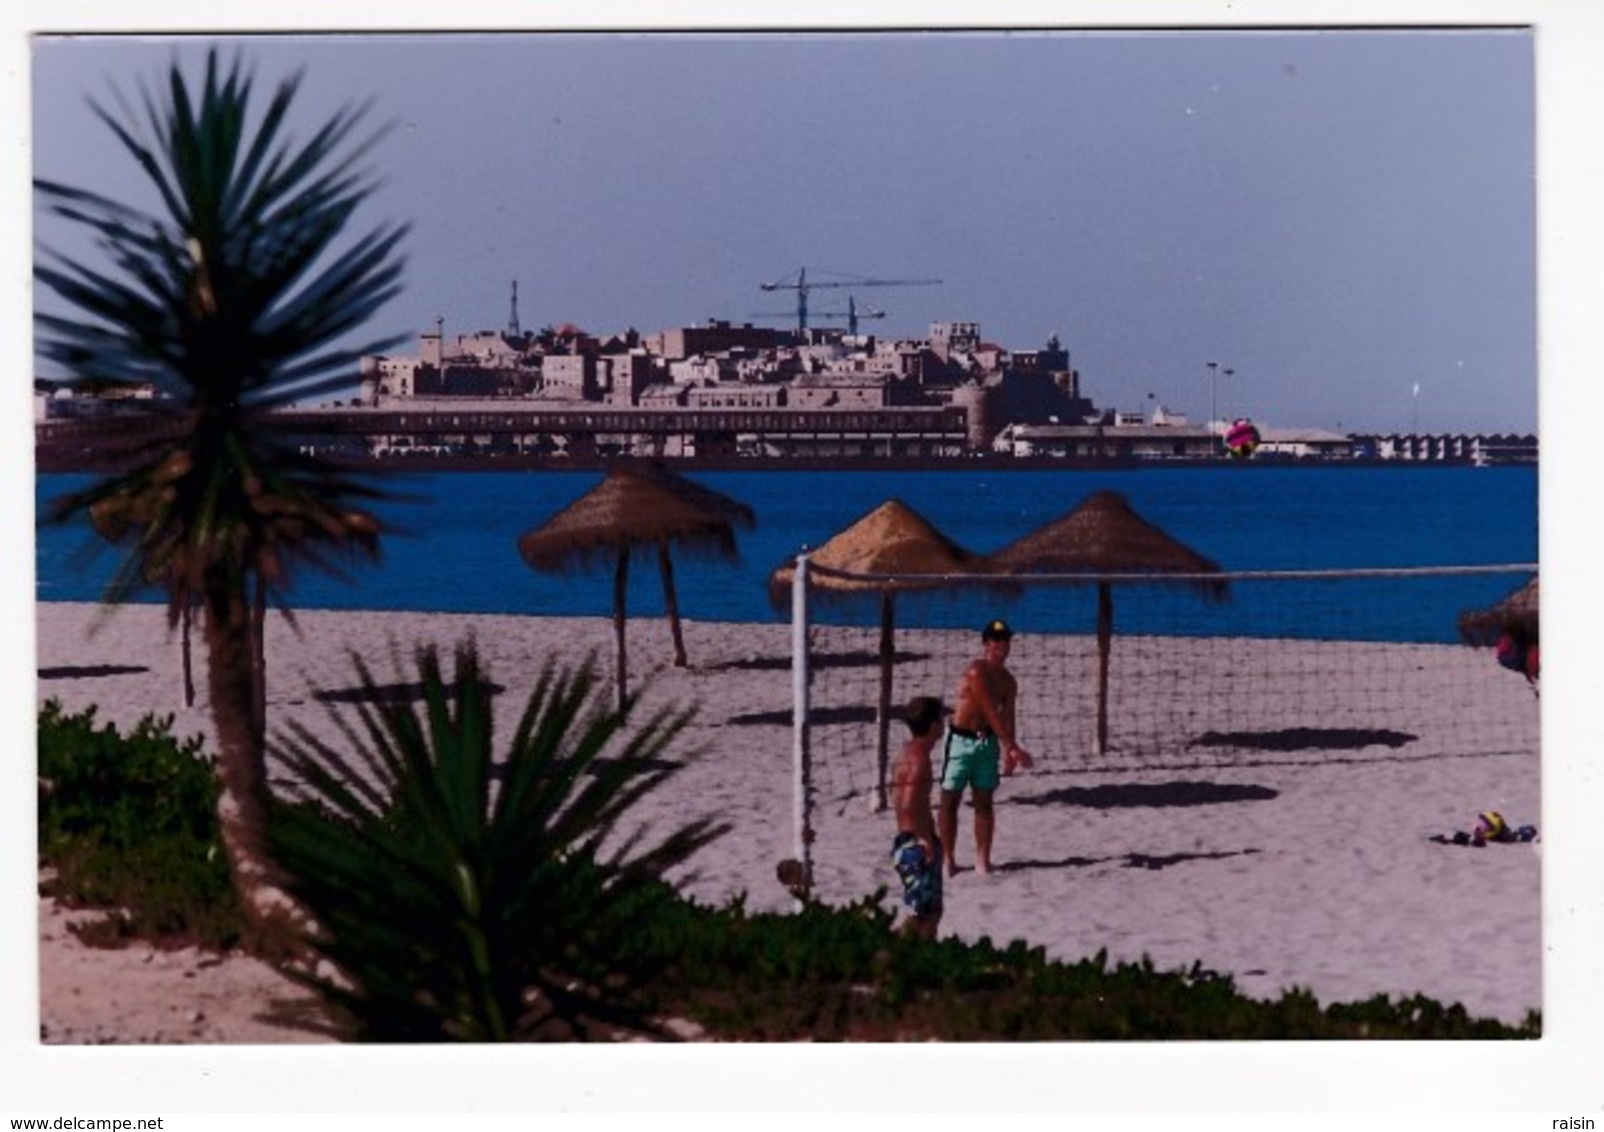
(1317, 876)
(146, 995)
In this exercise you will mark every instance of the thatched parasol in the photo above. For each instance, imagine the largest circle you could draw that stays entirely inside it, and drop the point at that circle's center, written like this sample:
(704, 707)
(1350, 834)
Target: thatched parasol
(893, 540)
(1104, 536)
(1517, 613)
(631, 510)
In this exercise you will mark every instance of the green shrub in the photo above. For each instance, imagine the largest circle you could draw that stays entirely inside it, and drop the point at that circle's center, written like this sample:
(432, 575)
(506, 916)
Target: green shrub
(841, 974)
(129, 823)
(462, 892)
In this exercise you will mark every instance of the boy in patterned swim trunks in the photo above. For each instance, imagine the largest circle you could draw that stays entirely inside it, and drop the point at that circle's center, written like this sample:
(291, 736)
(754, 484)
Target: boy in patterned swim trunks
(981, 733)
(916, 851)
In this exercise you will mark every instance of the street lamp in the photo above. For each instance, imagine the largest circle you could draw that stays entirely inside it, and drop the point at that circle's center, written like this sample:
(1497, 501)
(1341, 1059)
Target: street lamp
(1214, 391)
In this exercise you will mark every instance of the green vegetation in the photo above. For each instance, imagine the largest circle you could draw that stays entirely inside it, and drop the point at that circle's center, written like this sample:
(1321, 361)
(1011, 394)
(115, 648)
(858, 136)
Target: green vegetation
(843, 974)
(129, 823)
(464, 897)
(461, 892)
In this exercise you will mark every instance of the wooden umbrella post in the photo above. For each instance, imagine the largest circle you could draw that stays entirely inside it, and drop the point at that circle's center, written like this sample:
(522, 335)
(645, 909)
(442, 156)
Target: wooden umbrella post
(888, 603)
(665, 566)
(1105, 641)
(189, 671)
(620, 590)
(802, 786)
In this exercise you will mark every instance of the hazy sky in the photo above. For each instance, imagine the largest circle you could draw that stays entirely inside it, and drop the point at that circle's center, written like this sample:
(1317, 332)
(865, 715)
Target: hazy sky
(1338, 216)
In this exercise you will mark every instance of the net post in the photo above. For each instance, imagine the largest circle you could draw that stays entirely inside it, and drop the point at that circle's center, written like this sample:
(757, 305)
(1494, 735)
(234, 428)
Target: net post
(802, 805)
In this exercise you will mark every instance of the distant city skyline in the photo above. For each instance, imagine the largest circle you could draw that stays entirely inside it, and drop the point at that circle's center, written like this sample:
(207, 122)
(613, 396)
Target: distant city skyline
(1343, 221)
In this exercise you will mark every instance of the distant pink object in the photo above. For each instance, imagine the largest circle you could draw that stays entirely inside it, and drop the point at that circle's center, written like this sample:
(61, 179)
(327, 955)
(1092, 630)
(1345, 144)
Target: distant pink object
(1241, 438)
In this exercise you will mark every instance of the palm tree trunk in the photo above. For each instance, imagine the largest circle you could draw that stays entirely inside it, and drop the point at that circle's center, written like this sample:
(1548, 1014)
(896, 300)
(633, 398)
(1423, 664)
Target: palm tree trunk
(241, 759)
(259, 663)
(665, 566)
(620, 589)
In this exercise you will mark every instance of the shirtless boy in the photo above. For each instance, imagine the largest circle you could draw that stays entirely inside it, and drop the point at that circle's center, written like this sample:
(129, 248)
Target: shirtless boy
(916, 851)
(981, 732)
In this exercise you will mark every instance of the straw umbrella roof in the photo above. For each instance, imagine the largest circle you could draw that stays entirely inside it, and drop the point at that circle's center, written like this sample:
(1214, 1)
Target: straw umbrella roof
(891, 539)
(1104, 535)
(1517, 611)
(633, 509)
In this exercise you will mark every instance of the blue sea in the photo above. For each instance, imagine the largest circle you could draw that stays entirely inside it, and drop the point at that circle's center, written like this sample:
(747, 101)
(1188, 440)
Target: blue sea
(455, 546)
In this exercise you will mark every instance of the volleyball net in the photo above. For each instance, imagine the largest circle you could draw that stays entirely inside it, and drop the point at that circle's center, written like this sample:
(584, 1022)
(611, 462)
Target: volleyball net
(1160, 672)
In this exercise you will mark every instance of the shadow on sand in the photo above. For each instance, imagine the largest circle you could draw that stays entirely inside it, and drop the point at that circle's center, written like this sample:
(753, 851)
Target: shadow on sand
(1155, 794)
(384, 694)
(1124, 860)
(822, 717)
(89, 671)
(1305, 739)
(859, 659)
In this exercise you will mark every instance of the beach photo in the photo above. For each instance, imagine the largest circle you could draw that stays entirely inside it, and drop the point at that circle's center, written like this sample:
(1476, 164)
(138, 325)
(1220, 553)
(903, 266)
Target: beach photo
(983, 537)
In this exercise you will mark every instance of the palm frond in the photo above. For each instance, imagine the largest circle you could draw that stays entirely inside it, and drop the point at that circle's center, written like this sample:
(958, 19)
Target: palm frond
(461, 891)
(235, 294)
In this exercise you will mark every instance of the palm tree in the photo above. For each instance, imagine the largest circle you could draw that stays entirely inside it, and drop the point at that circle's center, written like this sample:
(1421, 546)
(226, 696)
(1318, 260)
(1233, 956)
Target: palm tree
(236, 294)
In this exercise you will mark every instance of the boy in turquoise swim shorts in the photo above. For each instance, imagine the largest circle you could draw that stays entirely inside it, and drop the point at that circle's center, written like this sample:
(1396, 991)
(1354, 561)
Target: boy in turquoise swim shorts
(981, 746)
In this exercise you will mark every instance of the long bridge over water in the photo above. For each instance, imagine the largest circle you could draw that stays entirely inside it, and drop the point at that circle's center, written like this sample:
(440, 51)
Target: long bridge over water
(580, 432)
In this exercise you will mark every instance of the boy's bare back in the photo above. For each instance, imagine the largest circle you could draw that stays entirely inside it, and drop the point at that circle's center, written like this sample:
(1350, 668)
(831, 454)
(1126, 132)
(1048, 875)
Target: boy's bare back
(912, 783)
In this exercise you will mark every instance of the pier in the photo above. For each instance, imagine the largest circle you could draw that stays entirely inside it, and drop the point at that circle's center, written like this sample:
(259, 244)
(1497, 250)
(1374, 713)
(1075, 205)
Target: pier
(537, 435)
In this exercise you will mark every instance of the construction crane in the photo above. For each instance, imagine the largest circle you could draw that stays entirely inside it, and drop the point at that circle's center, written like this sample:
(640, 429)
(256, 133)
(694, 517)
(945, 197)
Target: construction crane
(801, 284)
(852, 314)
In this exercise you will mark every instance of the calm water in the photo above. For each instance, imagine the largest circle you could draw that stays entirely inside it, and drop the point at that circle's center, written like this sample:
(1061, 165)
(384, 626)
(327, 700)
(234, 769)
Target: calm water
(458, 552)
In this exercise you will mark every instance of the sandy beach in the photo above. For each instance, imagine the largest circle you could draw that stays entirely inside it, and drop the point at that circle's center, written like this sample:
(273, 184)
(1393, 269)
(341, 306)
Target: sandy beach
(1300, 870)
